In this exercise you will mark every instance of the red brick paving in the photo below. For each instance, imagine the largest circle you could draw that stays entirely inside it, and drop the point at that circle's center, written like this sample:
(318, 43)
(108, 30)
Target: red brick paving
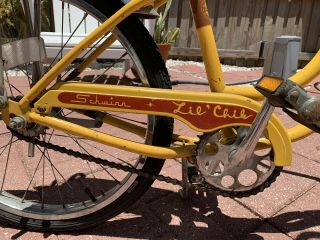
(302, 217)
(289, 209)
(268, 232)
(295, 181)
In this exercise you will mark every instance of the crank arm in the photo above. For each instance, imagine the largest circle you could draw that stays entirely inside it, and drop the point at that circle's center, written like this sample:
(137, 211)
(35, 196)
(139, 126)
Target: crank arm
(247, 146)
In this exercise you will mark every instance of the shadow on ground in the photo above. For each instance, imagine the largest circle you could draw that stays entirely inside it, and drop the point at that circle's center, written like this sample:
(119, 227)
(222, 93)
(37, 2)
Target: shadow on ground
(201, 218)
(170, 217)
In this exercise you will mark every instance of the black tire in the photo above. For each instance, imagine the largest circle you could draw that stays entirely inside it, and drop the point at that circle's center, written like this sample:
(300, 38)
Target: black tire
(142, 43)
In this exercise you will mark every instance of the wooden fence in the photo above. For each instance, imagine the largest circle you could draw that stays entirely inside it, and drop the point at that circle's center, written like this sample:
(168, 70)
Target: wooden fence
(241, 25)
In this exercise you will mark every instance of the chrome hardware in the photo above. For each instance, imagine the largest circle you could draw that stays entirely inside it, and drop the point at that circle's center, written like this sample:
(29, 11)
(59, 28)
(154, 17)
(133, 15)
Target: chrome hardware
(246, 148)
(17, 123)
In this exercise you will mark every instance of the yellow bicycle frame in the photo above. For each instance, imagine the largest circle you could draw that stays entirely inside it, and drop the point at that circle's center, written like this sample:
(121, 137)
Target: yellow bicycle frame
(216, 110)
(205, 112)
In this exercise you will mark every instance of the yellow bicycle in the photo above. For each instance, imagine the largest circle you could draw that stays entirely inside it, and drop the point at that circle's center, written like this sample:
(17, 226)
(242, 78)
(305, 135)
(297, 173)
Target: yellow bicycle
(77, 150)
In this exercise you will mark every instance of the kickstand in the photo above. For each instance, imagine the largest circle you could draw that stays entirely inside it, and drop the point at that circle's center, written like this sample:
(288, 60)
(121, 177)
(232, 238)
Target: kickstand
(186, 186)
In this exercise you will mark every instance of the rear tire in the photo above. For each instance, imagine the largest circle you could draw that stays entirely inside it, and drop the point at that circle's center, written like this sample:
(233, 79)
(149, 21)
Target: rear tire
(145, 49)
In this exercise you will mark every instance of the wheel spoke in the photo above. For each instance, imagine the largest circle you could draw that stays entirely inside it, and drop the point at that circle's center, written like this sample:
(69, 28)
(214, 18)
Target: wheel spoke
(6, 145)
(52, 192)
(7, 81)
(68, 40)
(64, 179)
(31, 180)
(82, 149)
(107, 69)
(55, 168)
(62, 27)
(58, 185)
(101, 150)
(42, 187)
(106, 170)
(29, 79)
(6, 166)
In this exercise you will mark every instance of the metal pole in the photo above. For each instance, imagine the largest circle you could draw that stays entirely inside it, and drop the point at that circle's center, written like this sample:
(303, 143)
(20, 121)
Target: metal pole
(32, 9)
(36, 67)
(3, 93)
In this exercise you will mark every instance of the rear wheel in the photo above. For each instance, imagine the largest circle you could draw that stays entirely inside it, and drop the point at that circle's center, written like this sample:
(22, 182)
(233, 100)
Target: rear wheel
(46, 190)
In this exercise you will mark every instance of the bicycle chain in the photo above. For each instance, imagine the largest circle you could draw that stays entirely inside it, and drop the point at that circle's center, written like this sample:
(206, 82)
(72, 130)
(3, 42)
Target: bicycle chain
(203, 187)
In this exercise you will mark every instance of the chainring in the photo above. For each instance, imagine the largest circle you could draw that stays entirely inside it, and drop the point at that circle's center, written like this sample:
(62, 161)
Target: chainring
(247, 178)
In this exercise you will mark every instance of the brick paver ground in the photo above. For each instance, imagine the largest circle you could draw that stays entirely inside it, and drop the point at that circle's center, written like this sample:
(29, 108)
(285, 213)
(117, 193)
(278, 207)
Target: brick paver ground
(289, 209)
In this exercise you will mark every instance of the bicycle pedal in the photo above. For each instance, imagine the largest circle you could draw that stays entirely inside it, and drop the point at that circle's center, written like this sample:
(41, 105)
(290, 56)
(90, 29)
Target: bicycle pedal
(289, 95)
(294, 116)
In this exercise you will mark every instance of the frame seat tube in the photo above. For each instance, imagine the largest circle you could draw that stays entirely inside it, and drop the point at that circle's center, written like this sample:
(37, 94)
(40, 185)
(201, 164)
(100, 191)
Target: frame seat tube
(208, 45)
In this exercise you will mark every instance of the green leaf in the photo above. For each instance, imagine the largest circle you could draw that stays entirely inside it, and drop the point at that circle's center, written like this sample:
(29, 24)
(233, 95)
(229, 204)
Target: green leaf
(161, 34)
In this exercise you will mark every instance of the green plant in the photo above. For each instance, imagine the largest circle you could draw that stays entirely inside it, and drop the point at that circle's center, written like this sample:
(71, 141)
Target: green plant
(45, 15)
(13, 21)
(161, 34)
